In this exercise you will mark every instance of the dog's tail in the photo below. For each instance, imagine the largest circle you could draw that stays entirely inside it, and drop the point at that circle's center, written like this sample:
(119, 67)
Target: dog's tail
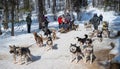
(77, 37)
(30, 45)
(86, 36)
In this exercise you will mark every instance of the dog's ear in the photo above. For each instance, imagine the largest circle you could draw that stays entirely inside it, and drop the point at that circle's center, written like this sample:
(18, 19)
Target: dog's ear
(13, 45)
(10, 46)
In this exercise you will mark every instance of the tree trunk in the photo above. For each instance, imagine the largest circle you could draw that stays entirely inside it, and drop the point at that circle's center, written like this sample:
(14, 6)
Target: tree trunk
(40, 14)
(48, 3)
(6, 14)
(0, 25)
(54, 9)
(67, 5)
(93, 3)
(12, 16)
(17, 11)
(44, 10)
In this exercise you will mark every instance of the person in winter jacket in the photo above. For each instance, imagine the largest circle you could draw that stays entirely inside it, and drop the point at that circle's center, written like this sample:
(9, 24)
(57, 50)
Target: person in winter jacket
(45, 21)
(65, 23)
(95, 21)
(60, 21)
(29, 21)
(101, 18)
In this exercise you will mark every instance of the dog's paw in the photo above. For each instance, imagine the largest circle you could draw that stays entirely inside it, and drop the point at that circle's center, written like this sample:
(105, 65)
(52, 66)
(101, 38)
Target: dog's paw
(20, 63)
(90, 62)
(14, 62)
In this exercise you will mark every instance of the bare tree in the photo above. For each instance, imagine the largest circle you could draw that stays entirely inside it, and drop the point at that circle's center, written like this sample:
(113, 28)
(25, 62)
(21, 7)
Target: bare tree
(17, 11)
(13, 3)
(6, 14)
(41, 13)
(54, 9)
(48, 1)
(44, 10)
(68, 3)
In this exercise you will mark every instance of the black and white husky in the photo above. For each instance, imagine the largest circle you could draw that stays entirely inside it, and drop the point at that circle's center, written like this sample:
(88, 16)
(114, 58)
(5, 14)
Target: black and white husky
(49, 43)
(76, 52)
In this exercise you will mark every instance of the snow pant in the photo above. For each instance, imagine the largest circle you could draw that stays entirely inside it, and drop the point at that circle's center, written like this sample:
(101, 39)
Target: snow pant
(28, 28)
(60, 26)
(65, 26)
(95, 27)
(46, 25)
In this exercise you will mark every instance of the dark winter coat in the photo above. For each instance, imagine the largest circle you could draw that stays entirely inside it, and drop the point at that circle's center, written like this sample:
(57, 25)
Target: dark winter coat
(101, 17)
(45, 21)
(28, 20)
(95, 21)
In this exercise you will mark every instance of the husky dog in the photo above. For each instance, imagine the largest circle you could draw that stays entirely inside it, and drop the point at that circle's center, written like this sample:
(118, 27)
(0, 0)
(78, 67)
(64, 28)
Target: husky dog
(49, 42)
(99, 35)
(105, 33)
(54, 35)
(20, 52)
(47, 32)
(82, 40)
(88, 53)
(88, 26)
(76, 52)
(14, 52)
(38, 39)
(75, 27)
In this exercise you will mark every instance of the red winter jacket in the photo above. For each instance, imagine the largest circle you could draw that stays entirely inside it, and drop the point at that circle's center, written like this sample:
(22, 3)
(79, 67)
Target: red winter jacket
(60, 20)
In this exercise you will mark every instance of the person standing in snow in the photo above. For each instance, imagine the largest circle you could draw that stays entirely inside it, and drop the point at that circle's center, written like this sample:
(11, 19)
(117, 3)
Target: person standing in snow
(95, 21)
(101, 18)
(29, 21)
(45, 21)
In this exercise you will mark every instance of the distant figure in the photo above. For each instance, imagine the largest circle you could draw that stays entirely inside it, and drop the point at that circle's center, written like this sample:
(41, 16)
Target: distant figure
(45, 21)
(101, 17)
(60, 22)
(65, 23)
(95, 21)
(29, 21)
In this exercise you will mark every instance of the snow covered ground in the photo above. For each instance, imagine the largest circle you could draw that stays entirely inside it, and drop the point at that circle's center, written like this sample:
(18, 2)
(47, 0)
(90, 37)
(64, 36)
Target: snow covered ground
(59, 57)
